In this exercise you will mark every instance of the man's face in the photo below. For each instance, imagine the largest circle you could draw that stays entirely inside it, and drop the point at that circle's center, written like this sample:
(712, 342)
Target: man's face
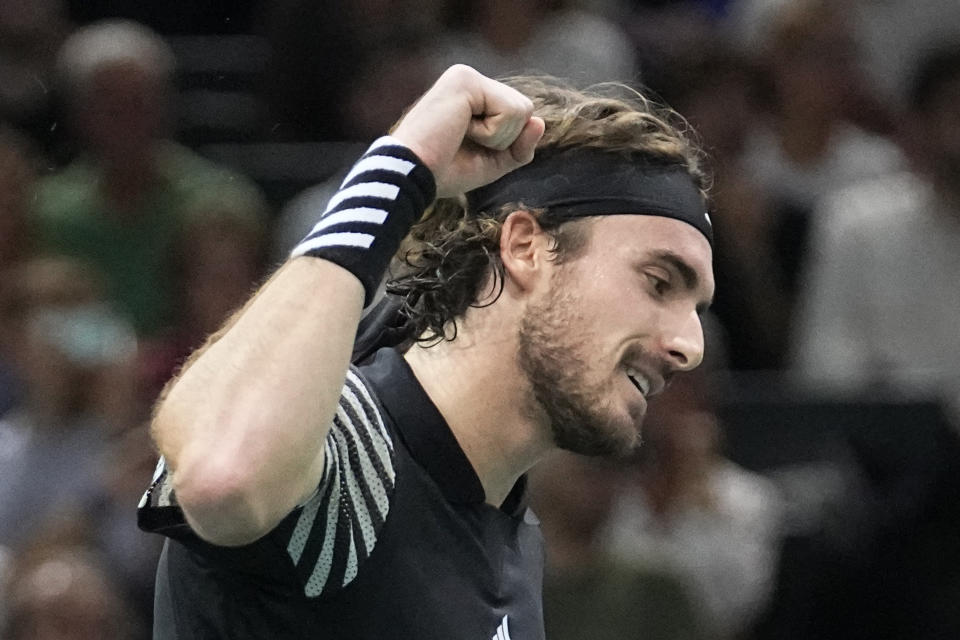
(124, 111)
(611, 327)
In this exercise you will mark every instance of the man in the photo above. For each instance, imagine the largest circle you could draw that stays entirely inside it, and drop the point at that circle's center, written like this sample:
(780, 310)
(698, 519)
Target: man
(121, 204)
(389, 504)
(880, 307)
(879, 321)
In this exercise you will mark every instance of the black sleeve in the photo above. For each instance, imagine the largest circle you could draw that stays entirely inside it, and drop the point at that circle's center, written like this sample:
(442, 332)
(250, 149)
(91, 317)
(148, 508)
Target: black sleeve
(328, 537)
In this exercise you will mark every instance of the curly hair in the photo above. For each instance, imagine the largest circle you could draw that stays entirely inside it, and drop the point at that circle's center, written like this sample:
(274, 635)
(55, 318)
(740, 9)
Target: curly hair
(451, 259)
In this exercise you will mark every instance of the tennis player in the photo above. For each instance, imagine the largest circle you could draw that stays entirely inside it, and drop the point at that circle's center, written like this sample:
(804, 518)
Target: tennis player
(559, 260)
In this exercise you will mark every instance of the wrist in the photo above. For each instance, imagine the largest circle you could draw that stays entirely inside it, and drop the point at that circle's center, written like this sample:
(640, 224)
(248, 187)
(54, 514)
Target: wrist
(383, 195)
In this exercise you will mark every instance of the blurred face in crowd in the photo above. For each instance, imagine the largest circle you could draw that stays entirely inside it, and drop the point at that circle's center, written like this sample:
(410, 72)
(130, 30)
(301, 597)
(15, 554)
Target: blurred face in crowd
(65, 597)
(814, 60)
(618, 320)
(123, 111)
(44, 287)
(64, 335)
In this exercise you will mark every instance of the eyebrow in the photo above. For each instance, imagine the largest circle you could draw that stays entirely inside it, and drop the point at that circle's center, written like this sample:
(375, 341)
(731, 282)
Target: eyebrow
(691, 280)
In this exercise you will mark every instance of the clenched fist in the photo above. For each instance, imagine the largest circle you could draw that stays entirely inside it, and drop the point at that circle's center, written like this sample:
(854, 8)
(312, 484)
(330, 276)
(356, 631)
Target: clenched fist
(470, 130)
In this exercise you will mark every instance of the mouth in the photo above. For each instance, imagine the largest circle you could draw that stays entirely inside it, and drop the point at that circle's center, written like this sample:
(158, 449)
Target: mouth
(646, 378)
(640, 381)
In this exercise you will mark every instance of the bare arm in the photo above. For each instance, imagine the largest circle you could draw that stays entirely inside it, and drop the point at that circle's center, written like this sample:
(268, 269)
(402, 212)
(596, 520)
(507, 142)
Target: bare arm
(243, 427)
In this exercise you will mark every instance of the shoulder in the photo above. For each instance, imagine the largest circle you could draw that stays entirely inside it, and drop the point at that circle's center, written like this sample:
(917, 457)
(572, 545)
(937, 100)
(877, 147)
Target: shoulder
(875, 207)
(206, 185)
(57, 196)
(866, 153)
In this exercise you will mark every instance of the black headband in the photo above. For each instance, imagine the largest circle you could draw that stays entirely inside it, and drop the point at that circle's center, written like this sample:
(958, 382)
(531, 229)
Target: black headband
(582, 181)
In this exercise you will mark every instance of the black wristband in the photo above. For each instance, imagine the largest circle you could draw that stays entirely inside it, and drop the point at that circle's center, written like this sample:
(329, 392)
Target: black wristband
(384, 194)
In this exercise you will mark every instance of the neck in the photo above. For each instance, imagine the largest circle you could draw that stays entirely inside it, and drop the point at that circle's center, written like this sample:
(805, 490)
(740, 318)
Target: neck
(476, 384)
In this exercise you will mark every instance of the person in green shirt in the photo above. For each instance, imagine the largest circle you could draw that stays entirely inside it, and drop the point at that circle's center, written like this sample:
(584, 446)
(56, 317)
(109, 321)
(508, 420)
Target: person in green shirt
(121, 204)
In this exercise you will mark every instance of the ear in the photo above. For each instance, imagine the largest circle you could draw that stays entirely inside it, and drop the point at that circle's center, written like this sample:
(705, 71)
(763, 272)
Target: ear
(523, 249)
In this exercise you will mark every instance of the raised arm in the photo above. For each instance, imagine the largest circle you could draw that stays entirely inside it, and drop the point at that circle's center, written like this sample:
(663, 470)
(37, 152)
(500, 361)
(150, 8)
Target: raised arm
(242, 429)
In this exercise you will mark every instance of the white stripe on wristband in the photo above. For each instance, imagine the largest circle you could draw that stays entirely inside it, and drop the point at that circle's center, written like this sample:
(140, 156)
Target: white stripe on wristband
(364, 189)
(357, 214)
(384, 163)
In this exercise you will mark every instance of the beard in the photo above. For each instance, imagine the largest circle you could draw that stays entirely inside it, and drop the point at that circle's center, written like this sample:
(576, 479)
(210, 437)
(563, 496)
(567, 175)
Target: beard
(553, 354)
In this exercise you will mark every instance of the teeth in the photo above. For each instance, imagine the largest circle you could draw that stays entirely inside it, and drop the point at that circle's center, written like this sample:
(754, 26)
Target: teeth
(639, 381)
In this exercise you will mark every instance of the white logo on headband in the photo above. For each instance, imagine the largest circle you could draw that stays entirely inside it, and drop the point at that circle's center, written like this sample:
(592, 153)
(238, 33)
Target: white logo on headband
(709, 221)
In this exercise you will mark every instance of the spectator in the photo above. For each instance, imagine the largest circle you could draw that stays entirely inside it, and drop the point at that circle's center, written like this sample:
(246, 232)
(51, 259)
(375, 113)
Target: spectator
(219, 260)
(120, 205)
(63, 593)
(807, 147)
(69, 347)
(880, 305)
(697, 516)
(586, 593)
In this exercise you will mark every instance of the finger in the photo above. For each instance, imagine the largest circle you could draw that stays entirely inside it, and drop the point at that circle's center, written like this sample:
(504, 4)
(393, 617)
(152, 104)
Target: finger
(525, 145)
(496, 132)
(504, 114)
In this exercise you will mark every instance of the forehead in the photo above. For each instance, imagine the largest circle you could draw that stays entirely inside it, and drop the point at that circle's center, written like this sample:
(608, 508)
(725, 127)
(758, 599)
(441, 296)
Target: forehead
(637, 237)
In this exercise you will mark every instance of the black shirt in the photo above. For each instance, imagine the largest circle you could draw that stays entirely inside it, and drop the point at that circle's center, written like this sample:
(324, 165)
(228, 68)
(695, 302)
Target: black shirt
(396, 543)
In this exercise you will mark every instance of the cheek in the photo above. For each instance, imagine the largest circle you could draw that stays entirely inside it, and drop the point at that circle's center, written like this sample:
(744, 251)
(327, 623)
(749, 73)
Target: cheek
(620, 310)
(603, 310)
(598, 288)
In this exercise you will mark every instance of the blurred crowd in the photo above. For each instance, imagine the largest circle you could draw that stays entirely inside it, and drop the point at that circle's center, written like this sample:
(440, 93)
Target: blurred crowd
(158, 160)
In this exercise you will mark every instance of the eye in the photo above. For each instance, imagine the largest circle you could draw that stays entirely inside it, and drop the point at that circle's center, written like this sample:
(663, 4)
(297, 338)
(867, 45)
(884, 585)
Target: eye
(660, 285)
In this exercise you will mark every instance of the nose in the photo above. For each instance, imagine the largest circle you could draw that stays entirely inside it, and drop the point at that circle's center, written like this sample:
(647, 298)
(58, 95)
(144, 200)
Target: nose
(683, 341)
